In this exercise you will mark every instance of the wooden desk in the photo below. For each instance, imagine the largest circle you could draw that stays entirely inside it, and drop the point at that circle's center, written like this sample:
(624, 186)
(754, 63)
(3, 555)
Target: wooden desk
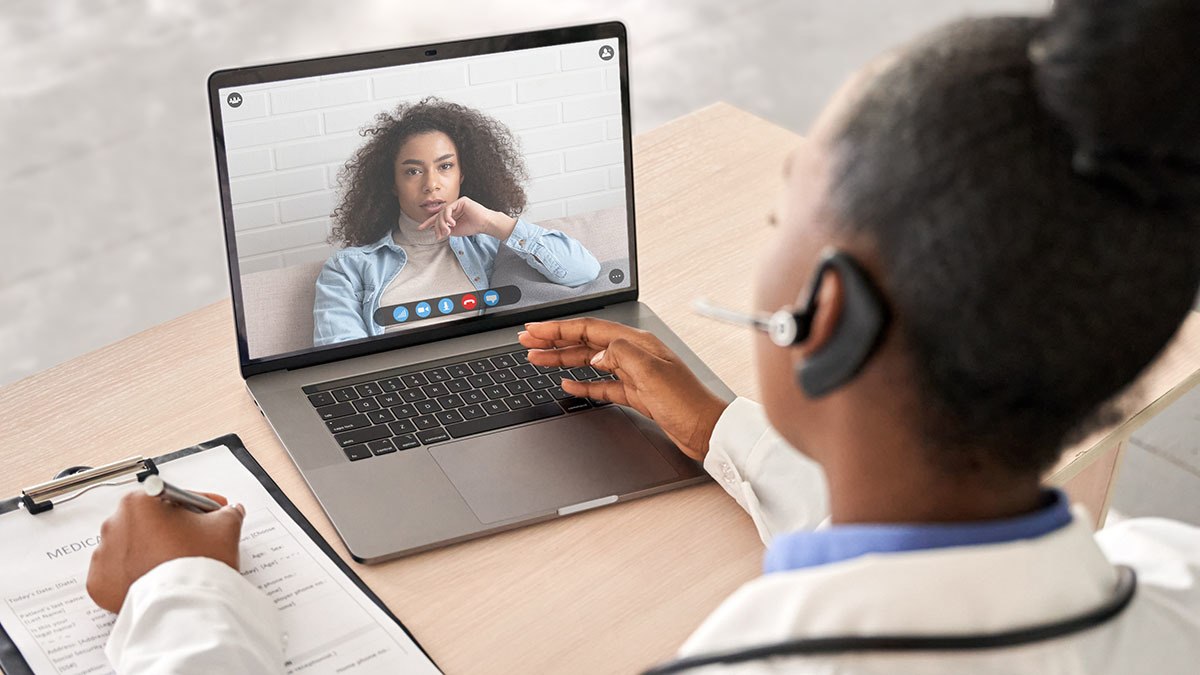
(611, 590)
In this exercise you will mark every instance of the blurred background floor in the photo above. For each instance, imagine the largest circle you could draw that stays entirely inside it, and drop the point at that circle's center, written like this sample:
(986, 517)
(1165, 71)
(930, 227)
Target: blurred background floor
(111, 214)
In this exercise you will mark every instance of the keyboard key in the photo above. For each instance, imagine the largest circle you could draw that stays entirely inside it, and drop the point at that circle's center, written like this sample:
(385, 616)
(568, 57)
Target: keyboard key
(598, 402)
(381, 416)
(495, 392)
(435, 390)
(494, 407)
(348, 424)
(323, 398)
(521, 356)
(366, 405)
(391, 384)
(458, 386)
(503, 361)
(518, 387)
(425, 422)
(412, 395)
(546, 370)
(414, 380)
(451, 401)
(584, 373)
(402, 427)
(472, 412)
(574, 404)
(541, 382)
(436, 375)
(539, 397)
(503, 375)
(356, 452)
(517, 402)
(406, 442)
(459, 370)
(500, 421)
(427, 407)
(558, 393)
(449, 417)
(344, 395)
(481, 366)
(608, 376)
(361, 436)
(389, 400)
(524, 372)
(381, 447)
(433, 436)
(368, 389)
(336, 410)
(474, 396)
(403, 412)
(480, 381)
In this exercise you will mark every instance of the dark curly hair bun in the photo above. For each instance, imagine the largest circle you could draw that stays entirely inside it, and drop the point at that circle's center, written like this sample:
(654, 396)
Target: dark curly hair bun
(1123, 80)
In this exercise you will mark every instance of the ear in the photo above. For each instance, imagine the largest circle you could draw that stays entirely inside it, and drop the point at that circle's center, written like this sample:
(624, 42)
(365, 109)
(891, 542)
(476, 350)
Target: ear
(829, 300)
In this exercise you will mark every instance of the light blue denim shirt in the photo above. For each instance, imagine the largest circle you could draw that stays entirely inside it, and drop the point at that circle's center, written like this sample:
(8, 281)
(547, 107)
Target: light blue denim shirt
(353, 279)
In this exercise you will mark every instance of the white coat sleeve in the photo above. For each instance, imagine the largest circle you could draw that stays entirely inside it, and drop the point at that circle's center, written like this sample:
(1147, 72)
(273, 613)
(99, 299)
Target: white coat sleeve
(776, 484)
(195, 615)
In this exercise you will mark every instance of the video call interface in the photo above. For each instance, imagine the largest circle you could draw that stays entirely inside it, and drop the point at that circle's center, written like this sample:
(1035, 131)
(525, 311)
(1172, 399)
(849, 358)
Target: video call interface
(376, 201)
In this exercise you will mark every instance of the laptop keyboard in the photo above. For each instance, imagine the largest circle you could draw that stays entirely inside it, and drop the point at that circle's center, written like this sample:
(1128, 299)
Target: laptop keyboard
(400, 409)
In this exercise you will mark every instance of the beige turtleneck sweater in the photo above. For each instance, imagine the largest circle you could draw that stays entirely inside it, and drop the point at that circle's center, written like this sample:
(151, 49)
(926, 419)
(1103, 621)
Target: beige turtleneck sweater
(432, 271)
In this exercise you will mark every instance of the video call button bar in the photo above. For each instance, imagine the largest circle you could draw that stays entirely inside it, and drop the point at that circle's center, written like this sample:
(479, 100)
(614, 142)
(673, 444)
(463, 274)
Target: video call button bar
(446, 305)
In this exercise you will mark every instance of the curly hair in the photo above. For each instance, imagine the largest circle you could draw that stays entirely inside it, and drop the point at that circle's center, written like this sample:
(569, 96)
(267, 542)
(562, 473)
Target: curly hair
(492, 165)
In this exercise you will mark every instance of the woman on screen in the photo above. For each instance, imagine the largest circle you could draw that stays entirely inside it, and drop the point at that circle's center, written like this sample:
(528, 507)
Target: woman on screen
(427, 204)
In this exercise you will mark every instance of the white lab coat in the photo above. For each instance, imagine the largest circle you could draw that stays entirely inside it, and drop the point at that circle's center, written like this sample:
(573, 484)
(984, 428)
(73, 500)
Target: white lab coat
(198, 616)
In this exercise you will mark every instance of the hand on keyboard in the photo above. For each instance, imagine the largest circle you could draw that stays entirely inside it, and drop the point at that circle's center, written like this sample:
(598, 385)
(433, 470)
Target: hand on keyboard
(651, 378)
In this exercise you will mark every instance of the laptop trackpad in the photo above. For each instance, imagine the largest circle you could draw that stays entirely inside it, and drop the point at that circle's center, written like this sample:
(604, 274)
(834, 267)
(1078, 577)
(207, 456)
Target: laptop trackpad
(559, 462)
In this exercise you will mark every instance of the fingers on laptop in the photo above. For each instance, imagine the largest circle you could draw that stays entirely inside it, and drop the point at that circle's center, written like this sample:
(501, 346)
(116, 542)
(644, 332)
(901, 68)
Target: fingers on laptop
(574, 356)
(596, 334)
(609, 390)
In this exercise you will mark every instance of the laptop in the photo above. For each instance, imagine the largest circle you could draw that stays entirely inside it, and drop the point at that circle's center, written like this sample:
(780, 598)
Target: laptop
(379, 342)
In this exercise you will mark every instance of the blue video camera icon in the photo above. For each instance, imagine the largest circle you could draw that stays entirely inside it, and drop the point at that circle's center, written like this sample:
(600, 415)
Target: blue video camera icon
(423, 309)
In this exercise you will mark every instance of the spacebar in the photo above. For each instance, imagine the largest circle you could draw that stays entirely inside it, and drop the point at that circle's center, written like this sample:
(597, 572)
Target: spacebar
(493, 422)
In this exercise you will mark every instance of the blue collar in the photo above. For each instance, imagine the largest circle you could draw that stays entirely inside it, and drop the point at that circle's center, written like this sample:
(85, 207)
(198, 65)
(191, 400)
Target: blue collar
(843, 542)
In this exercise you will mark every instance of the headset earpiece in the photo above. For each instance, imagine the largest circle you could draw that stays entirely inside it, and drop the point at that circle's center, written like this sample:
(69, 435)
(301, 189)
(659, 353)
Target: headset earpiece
(860, 326)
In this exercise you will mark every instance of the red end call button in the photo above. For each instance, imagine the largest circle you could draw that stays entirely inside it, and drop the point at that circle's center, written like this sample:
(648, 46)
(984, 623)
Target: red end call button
(469, 302)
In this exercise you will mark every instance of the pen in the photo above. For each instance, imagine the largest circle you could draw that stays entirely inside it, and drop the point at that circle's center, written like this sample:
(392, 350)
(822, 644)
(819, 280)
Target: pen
(155, 486)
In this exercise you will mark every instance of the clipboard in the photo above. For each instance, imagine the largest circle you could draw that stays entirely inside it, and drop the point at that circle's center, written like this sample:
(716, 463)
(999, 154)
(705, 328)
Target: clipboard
(76, 480)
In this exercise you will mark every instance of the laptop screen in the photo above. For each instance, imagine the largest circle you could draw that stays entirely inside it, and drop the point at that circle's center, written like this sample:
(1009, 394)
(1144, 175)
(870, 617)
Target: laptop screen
(375, 201)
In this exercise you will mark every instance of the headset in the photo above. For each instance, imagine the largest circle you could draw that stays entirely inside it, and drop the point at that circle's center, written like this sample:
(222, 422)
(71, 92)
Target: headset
(860, 325)
(826, 646)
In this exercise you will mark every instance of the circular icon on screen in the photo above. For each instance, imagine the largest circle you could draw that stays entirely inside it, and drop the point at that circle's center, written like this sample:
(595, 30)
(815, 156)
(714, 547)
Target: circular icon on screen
(423, 309)
(235, 99)
(469, 302)
(616, 276)
(491, 298)
(400, 314)
(606, 53)
(445, 305)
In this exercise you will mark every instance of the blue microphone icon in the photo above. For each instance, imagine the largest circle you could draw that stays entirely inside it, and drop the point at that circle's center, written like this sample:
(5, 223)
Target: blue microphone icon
(445, 305)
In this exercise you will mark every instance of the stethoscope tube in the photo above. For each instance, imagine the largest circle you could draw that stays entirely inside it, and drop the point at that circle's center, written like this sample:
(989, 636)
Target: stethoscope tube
(1126, 587)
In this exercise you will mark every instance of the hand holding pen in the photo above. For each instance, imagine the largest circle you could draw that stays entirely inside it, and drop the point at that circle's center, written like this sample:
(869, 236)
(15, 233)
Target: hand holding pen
(147, 531)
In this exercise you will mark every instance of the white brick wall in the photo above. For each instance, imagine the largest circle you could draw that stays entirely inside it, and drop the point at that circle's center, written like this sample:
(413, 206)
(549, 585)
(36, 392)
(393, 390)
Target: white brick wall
(287, 140)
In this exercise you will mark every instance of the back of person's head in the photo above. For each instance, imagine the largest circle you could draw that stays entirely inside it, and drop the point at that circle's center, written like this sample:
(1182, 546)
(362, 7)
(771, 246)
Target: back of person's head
(1032, 187)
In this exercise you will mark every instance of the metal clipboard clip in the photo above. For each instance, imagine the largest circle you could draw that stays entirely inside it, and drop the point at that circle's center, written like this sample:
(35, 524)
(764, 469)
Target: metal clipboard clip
(77, 480)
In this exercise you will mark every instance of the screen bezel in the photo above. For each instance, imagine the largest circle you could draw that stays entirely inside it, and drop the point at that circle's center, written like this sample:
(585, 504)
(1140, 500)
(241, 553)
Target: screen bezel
(428, 53)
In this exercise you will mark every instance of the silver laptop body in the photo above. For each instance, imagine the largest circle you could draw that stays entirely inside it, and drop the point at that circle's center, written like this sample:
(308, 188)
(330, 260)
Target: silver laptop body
(283, 135)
